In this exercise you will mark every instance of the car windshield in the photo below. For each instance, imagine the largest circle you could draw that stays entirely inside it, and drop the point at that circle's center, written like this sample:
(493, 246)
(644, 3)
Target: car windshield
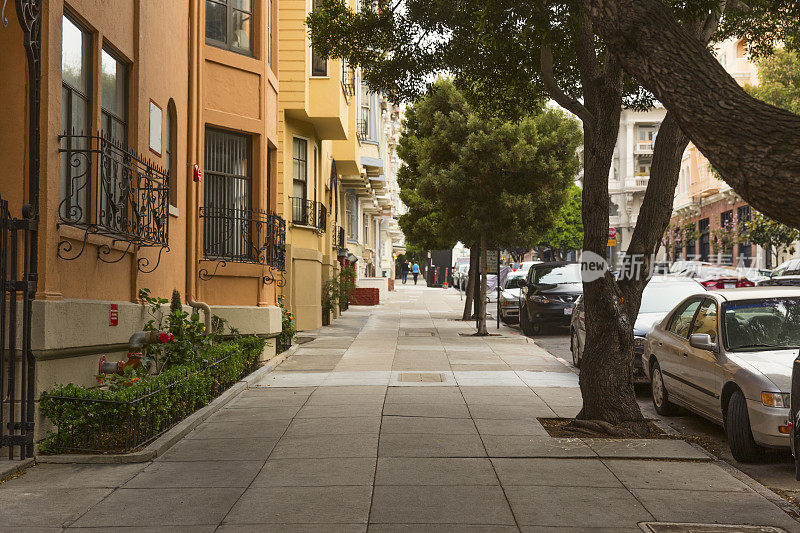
(661, 297)
(513, 280)
(570, 273)
(766, 324)
(713, 272)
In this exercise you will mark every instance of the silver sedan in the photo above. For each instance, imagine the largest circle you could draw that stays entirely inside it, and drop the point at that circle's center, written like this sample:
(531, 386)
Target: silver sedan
(727, 355)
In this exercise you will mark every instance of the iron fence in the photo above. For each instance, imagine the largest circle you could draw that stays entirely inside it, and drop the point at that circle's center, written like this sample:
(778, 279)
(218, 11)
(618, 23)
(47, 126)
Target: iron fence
(244, 236)
(309, 213)
(348, 79)
(17, 364)
(123, 426)
(130, 202)
(362, 129)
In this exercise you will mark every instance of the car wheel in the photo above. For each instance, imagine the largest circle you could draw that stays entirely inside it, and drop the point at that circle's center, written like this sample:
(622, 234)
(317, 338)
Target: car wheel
(659, 393)
(740, 436)
(525, 322)
(573, 347)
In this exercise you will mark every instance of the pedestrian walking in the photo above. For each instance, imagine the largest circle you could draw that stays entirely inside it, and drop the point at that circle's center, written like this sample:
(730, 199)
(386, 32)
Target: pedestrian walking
(415, 272)
(404, 268)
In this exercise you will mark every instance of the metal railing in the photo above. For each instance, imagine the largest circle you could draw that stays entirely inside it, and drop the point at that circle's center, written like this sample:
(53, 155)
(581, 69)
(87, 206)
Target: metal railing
(309, 213)
(244, 236)
(348, 79)
(109, 190)
(362, 129)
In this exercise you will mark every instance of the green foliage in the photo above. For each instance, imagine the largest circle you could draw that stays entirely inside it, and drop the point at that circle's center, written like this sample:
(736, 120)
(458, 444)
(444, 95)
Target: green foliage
(347, 285)
(567, 231)
(769, 233)
(477, 176)
(331, 294)
(103, 420)
(288, 327)
(779, 80)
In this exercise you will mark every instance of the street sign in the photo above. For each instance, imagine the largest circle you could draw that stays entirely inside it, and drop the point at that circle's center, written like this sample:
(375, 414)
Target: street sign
(612, 233)
(612, 242)
(492, 261)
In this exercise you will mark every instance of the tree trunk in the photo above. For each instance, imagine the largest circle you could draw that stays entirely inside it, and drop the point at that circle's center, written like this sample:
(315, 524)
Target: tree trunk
(470, 290)
(753, 145)
(476, 286)
(482, 330)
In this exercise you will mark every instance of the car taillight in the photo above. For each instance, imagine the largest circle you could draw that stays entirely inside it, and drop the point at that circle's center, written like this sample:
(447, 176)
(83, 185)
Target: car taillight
(745, 283)
(712, 285)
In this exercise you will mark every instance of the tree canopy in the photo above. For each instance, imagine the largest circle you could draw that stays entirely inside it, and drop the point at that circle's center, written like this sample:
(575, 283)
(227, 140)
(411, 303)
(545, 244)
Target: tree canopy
(567, 231)
(779, 80)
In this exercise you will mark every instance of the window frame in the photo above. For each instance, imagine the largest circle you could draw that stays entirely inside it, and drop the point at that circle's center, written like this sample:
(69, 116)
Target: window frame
(311, 67)
(227, 44)
(171, 151)
(679, 311)
(704, 304)
(111, 115)
(294, 160)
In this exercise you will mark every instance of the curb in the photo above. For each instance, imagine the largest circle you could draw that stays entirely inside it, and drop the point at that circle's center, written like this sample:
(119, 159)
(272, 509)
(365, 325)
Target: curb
(179, 430)
(760, 489)
(15, 467)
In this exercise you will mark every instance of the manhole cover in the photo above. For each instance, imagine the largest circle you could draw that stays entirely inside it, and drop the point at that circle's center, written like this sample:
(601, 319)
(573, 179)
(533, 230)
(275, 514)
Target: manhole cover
(673, 527)
(418, 334)
(420, 377)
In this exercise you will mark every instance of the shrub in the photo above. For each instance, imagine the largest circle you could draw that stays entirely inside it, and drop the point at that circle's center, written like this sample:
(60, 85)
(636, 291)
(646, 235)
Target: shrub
(127, 418)
(288, 326)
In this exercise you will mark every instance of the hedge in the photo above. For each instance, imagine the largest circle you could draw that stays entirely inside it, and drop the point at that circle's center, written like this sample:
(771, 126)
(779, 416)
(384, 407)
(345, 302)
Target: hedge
(95, 420)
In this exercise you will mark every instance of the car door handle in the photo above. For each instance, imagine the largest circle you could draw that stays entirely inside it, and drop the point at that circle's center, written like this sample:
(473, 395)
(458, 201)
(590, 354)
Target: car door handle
(685, 354)
(661, 344)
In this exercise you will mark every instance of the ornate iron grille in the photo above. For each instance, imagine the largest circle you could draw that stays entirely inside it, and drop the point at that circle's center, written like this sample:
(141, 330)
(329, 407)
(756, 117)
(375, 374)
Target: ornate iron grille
(243, 236)
(309, 213)
(348, 79)
(131, 204)
(340, 238)
(362, 129)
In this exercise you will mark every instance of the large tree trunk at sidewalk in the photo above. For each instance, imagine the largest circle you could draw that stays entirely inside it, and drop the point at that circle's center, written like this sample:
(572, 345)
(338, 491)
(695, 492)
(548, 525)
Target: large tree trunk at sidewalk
(470, 290)
(482, 330)
(753, 145)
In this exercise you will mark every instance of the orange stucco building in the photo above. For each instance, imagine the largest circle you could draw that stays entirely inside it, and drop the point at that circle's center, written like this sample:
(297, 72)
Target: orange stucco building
(158, 149)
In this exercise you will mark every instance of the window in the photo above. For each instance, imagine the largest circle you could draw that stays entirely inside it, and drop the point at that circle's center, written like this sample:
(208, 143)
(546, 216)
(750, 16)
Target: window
(682, 319)
(319, 65)
(300, 168)
(706, 321)
(227, 194)
(229, 25)
(745, 248)
(690, 244)
(351, 206)
(114, 120)
(647, 133)
(170, 152)
(316, 173)
(365, 112)
(366, 230)
(705, 239)
(76, 58)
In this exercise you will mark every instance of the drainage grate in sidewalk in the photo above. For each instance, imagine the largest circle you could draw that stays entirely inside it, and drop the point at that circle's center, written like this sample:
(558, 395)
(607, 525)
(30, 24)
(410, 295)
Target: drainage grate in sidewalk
(420, 377)
(674, 527)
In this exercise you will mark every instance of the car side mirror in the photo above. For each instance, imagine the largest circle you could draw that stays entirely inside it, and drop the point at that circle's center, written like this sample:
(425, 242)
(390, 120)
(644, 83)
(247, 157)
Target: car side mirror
(702, 341)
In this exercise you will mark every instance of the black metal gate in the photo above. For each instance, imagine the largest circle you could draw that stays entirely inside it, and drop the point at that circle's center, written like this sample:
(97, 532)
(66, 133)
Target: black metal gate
(18, 263)
(17, 365)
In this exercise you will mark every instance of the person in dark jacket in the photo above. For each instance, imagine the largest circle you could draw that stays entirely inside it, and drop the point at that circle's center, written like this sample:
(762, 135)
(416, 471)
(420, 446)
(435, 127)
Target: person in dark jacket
(404, 268)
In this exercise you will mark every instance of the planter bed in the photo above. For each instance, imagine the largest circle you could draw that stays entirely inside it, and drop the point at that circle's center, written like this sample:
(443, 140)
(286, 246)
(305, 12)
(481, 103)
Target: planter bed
(94, 420)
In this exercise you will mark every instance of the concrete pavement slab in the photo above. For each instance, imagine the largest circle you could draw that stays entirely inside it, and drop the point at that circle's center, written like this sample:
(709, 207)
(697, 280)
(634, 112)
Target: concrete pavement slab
(430, 445)
(647, 449)
(323, 446)
(433, 410)
(293, 379)
(446, 528)
(676, 475)
(308, 472)
(485, 505)
(434, 471)
(301, 505)
(278, 393)
(713, 507)
(372, 409)
(513, 412)
(162, 474)
(255, 414)
(239, 429)
(424, 395)
(334, 426)
(296, 528)
(153, 529)
(41, 507)
(575, 506)
(415, 424)
(66, 476)
(220, 450)
(265, 401)
(518, 426)
(161, 507)
(554, 472)
(325, 399)
(525, 446)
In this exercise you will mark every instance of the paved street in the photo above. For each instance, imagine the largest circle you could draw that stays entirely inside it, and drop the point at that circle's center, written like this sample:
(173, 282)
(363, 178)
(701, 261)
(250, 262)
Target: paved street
(393, 420)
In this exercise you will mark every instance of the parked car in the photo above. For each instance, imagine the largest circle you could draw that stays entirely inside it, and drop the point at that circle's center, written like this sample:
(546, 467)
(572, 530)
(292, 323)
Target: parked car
(461, 275)
(728, 355)
(549, 295)
(794, 417)
(717, 277)
(660, 296)
(787, 273)
(510, 297)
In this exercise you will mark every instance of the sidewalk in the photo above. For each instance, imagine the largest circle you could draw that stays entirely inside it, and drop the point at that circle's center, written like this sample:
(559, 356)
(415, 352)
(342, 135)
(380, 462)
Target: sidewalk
(390, 419)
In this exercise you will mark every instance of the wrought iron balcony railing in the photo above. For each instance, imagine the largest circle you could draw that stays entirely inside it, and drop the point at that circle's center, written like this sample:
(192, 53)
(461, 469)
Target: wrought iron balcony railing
(244, 236)
(340, 238)
(309, 213)
(362, 129)
(109, 190)
(348, 79)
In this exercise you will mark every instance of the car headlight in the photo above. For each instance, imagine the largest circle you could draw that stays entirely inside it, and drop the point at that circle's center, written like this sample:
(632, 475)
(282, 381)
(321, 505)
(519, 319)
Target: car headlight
(638, 342)
(775, 399)
(540, 300)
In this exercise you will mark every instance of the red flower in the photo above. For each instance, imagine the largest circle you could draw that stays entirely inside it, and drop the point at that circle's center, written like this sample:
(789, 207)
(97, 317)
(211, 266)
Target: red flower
(164, 338)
